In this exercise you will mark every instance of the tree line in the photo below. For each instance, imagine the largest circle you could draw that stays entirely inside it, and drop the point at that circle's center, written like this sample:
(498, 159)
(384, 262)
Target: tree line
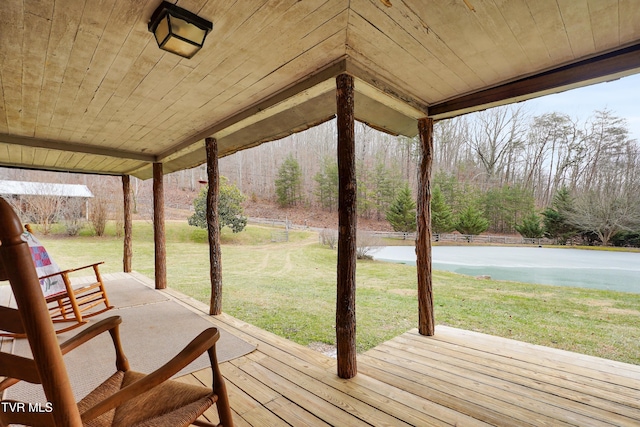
(503, 167)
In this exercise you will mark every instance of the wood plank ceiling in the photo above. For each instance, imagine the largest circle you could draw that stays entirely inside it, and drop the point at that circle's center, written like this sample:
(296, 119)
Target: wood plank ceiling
(83, 86)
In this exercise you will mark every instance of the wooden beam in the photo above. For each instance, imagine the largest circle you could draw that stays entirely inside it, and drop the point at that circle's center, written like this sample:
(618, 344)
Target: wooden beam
(372, 85)
(601, 68)
(347, 226)
(213, 226)
(426, 318)
(128, 225)
(159, 237)
(50, 144)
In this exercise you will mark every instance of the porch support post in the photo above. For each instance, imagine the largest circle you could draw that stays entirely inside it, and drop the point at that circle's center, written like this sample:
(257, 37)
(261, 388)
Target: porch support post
(213, 226)
(426, 319)
(128, 225)
(158, 227)
(346, 295)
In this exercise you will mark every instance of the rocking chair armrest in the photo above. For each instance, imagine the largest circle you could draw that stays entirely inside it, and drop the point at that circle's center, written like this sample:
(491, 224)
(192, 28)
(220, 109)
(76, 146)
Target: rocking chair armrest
(91, 332)
(203, 342)
(71, 270)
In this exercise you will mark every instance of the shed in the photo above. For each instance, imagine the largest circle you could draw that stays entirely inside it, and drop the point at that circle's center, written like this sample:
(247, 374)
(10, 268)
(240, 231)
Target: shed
(27, 188)
(17, 190)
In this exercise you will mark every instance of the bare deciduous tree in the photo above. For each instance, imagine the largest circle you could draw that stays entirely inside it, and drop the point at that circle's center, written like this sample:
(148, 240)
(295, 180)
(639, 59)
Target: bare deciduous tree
(606, 212)
(44, 206)
(72, 210)
(495, 136)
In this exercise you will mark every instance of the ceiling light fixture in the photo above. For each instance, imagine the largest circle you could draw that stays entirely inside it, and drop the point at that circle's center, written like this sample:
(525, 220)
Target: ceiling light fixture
(177, 30)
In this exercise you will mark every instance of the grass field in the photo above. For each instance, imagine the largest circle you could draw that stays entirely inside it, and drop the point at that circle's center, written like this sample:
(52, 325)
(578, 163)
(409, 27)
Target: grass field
(289, 289)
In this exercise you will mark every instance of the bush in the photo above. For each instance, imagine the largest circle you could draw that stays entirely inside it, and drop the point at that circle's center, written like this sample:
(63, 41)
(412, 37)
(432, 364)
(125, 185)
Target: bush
(230, 211)
(472, 221)
(329, 238)
(98, 215)
(530, 227)
(627, 239)
(367, 243)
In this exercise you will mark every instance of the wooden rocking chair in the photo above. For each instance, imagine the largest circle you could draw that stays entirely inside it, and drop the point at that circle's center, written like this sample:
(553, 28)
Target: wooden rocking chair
(65, 302)
(127, 398)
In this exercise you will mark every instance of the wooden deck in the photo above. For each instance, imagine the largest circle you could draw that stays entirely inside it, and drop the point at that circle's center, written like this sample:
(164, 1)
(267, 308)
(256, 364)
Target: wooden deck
(458, 378)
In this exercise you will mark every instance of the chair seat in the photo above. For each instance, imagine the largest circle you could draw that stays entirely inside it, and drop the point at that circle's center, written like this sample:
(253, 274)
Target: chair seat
(171, 404)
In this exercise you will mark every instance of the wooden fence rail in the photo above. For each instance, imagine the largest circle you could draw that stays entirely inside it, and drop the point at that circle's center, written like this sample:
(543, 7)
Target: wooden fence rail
(444, 237)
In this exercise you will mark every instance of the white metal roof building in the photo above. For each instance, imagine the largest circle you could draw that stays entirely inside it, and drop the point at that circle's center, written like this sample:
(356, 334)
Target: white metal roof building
(26, 188)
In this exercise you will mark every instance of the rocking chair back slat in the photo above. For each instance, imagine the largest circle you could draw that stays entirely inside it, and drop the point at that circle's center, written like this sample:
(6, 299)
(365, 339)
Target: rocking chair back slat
(18, 367)
(10, 320)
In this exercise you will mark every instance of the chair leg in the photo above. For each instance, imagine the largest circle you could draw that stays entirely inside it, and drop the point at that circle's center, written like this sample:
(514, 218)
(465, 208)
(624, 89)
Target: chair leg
(72, 298)
(220, 390)
(63, 311)
(224, 410)
(96, 270)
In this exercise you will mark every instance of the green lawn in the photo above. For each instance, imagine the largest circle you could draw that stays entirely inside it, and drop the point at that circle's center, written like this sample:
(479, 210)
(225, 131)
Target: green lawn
(289, 289)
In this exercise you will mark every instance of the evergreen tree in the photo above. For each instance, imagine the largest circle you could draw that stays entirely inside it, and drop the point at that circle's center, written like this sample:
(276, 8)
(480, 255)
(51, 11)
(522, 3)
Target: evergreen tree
(365, 190)
(458, 193)
(384, 189)
(327, 184)
(555, 218)
(472, 221)
(230, 211)
(506, 206)
(530, 227)
(289, 182)
(402, 212)
(442, 220)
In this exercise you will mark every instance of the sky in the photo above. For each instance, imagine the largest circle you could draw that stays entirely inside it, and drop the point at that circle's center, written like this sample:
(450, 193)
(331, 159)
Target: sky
(621, 97)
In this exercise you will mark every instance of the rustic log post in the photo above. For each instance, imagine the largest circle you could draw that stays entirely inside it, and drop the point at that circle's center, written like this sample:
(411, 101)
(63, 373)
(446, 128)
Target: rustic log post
(213, 226)
(128, 225)
(426, 319)
(346, 294)
(159, 237)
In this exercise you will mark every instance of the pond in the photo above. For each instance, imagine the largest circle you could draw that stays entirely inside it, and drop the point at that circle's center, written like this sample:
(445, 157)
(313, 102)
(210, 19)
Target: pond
(619, 271)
